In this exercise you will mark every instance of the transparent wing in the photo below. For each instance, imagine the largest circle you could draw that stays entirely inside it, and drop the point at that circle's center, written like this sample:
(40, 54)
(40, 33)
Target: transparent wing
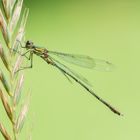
(77, 75)
(84, 61)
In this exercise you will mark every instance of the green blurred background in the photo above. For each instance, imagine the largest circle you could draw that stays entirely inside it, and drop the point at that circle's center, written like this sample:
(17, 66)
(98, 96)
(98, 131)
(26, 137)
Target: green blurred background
(108, 30)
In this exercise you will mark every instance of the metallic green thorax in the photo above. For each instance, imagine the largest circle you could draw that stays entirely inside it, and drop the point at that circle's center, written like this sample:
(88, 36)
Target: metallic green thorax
(42, 52)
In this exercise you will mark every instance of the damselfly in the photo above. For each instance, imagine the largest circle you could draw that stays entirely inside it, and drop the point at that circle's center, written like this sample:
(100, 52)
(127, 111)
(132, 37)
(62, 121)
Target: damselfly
(79, 60)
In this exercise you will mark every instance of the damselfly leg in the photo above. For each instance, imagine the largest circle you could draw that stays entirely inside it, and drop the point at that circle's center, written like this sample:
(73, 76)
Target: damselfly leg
(30, 58)
(20, 44)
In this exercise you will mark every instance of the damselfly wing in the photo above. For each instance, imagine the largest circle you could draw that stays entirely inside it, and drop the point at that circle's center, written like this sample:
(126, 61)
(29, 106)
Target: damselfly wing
(84, 61)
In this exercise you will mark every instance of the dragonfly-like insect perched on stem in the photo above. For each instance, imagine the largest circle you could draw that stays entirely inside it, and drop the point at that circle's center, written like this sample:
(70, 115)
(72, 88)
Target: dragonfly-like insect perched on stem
(79, 60)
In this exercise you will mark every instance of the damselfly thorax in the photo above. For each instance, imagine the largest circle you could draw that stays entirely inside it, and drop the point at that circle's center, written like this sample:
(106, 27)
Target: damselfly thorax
(36, 50)
(42, 52)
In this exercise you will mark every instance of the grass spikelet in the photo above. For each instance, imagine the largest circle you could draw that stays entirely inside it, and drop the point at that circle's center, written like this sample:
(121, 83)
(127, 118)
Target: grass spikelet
(20, 34)
(4, 29)
(12, 3)
(23, 114)
(17, 64)
(4, 132)
(16, 15)
(6, 105)
(4, 58)
(17, 93)
(5, 83)
(7, 8)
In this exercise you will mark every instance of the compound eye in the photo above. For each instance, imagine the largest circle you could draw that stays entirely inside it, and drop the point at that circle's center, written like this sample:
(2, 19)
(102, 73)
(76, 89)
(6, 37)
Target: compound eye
(29, 43)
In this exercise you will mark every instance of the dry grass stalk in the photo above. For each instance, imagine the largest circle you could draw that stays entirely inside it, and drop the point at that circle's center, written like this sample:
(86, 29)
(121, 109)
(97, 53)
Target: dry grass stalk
(12, 87)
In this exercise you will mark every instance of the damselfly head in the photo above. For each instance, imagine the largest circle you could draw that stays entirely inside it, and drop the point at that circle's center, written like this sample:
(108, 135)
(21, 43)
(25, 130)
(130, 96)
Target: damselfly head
(29, 44)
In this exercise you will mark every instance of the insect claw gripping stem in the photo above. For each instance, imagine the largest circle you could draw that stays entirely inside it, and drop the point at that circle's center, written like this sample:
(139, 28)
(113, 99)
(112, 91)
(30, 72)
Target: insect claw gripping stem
(31, 62)
(20, 43)
(23, 68)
